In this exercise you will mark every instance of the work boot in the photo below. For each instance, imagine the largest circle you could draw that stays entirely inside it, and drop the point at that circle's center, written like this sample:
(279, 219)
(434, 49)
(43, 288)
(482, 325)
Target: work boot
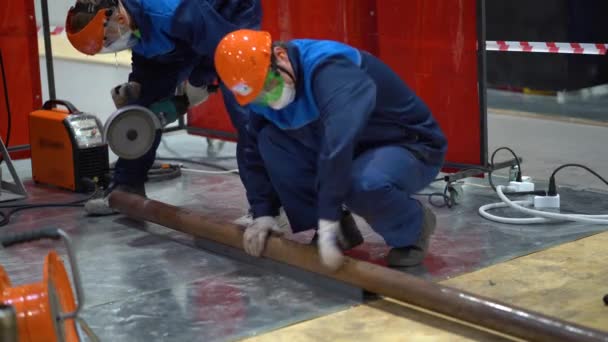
(349, 237)
(101, 206)
(413, 255)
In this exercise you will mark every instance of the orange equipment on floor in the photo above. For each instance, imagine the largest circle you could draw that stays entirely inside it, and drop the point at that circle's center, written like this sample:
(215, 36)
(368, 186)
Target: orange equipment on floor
(67, 147)
(44, 311)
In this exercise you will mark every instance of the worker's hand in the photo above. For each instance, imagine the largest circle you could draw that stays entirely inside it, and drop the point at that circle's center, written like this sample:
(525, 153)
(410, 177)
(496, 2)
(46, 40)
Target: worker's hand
(125, 93)
(329, 250)
(254, 239)
(196, 95)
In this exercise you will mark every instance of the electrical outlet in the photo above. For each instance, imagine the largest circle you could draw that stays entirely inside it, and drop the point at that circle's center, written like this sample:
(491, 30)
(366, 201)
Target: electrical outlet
(523, 186)
(546, 202)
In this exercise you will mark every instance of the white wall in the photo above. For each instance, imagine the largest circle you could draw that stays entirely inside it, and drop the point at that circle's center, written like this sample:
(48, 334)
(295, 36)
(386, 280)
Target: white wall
(86, 85)
(57, 11)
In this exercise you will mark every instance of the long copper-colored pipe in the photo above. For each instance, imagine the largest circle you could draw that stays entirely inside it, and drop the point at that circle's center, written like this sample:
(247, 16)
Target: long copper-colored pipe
(468, 307)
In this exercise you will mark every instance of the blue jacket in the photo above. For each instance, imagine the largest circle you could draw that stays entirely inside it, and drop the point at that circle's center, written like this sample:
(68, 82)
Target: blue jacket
(359, 104)
(179, 38)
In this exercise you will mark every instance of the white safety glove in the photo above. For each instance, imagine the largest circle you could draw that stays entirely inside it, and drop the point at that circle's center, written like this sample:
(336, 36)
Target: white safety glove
(196, 95)
(125, 93)
(329, 250)
(254, 239)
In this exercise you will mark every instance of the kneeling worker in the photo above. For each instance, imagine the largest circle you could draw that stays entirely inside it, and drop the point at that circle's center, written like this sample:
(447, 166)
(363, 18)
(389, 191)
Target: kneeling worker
(332, 127)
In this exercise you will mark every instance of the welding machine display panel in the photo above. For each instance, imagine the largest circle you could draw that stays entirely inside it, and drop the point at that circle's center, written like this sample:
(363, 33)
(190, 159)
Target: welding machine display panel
(86, 131)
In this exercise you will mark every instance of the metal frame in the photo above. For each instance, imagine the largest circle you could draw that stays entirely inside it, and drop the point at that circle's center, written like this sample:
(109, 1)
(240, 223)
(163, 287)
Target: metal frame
(482, 77)
(48, 50)
(10, 191)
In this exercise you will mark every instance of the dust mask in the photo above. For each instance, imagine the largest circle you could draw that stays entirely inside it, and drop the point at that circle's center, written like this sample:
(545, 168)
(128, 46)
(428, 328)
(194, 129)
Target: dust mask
(287, 96)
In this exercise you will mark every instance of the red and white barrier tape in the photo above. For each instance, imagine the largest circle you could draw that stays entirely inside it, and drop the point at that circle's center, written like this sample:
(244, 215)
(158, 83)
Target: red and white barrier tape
(543, 47)
(512, 46)
(55, 30)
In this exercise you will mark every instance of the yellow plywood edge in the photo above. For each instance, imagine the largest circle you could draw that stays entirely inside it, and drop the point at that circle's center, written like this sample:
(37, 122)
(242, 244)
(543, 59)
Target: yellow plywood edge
(567, 282)
(382, 320)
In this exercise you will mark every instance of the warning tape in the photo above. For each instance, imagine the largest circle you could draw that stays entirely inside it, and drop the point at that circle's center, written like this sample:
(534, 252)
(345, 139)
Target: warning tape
(55, 30)
(511, 46)
(545, 47)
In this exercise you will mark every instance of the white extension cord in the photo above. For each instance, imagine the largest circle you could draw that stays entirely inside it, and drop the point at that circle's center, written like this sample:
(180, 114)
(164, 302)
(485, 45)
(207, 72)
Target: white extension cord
(541, 216)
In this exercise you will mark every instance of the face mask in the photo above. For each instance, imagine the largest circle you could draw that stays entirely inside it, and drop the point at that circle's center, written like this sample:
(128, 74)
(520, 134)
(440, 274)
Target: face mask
(277, 94)
(287, 96)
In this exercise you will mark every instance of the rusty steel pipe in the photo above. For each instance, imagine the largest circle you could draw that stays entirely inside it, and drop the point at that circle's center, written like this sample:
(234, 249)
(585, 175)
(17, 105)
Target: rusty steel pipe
(468, 307)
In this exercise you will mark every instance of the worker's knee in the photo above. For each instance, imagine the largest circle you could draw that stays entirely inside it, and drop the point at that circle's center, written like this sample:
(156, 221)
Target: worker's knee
(272, 146)
(367, 190)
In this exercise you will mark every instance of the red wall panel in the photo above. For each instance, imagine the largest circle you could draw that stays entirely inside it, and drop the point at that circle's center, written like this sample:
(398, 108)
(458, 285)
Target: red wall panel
(350, 21)
(18, 42)
(431, 44)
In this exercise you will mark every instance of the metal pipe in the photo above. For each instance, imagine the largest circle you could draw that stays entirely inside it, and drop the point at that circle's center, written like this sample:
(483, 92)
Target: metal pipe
(477, 310)
(48, 52)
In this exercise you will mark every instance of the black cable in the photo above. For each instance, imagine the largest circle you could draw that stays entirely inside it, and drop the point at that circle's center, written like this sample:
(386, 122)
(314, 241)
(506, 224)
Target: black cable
(8, 107)
(447, 199)
(552, 186)
(519, 172)
(5, 217)
(185, 160)
(447, 178)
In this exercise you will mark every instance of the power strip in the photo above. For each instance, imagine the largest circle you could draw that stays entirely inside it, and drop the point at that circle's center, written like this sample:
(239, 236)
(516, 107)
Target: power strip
(546, 202)
(526, 185)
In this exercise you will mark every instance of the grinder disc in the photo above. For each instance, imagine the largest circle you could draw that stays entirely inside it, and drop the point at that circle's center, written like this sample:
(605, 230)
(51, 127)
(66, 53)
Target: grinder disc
(130, 131)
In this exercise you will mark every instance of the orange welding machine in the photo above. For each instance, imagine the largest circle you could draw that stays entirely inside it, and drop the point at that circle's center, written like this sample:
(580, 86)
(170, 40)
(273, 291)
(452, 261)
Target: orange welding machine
(67, 147)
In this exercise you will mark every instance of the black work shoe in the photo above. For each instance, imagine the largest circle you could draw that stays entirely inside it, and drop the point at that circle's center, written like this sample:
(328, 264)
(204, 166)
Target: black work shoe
(101, 206)
(350, 236)
(414, 255)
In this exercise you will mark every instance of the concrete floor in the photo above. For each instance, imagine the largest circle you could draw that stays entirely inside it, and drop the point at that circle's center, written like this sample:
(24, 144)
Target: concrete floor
(149, 283)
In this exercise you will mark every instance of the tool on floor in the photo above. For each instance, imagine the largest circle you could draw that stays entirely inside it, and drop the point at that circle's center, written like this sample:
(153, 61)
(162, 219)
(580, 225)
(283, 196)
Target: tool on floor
(67, 147)
(476, 310)
(47, 310)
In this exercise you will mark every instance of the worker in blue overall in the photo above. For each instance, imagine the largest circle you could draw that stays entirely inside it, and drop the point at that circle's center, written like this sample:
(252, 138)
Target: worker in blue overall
(172, 42)
(333, 130)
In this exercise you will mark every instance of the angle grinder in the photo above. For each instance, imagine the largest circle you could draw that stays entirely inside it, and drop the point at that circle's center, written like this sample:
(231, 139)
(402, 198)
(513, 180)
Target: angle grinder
(130, 131)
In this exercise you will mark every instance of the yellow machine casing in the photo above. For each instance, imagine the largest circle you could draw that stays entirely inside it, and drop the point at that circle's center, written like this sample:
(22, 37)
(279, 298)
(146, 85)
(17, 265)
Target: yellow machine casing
(66, 147)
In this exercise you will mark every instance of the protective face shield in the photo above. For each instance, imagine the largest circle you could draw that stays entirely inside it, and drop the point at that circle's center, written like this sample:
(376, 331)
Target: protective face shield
(118, 37)
(99, 28)
(277, 94)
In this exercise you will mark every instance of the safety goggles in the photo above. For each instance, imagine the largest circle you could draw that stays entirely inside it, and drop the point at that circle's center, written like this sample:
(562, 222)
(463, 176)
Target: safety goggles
(273, 88)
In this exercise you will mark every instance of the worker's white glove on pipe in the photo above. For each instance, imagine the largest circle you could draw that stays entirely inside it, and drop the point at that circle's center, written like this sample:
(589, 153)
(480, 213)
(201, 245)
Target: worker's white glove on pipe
(330, 252)
(254, 239)
(125, 93)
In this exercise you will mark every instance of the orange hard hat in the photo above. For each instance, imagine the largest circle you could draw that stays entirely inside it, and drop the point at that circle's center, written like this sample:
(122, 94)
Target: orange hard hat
(242, 61)
(88, 34)
(89, 40)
